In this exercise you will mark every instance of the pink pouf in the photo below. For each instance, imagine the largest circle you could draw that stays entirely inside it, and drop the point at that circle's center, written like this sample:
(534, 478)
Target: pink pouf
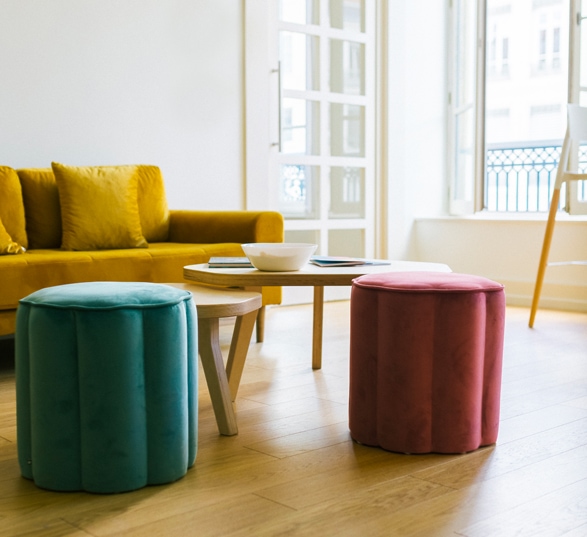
(425, 361)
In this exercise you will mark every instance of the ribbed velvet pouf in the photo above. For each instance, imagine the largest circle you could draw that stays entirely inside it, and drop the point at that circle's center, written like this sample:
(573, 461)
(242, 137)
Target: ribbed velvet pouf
(106, 385)
(425, 361)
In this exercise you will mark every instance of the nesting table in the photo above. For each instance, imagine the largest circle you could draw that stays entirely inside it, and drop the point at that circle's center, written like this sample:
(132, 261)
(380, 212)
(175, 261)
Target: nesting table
(310, 275)
(212, 305)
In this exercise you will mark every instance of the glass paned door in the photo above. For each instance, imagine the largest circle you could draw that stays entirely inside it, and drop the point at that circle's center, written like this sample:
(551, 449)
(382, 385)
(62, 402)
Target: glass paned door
(325, 157)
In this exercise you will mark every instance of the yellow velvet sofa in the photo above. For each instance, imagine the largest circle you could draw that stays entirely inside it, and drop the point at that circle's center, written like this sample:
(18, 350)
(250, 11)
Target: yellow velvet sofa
(35, 232)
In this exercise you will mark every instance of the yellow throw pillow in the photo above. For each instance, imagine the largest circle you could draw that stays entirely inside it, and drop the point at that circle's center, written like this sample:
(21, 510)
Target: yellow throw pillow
(99, 208)
(153, 204)
(12, 206)
(7, 245)
(41, 206)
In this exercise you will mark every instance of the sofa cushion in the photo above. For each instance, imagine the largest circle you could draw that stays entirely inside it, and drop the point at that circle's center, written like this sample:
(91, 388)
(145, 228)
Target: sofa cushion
(152, 201)
(162, 262)
(41, 206)
(11, 206)
(7, 245)
(99, 207)
(43, 212)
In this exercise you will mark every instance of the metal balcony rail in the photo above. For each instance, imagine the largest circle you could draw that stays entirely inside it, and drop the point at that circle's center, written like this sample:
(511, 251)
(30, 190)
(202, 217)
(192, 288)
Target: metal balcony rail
(519, 177)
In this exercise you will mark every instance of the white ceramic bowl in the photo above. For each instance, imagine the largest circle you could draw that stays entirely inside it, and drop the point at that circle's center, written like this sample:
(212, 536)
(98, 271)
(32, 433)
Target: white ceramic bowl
(279, 256)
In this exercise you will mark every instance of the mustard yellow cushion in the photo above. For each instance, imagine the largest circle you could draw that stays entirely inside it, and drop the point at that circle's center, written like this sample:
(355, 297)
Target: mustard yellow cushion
(152, 201)
(7, 245)
(11, 206)
(41, 206)
(99, 208)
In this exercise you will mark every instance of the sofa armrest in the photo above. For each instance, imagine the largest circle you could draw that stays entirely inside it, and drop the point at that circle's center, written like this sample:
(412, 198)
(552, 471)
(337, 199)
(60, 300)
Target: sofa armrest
(209, 227)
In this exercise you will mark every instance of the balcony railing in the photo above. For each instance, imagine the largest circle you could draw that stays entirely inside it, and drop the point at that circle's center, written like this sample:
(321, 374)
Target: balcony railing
(520, 177)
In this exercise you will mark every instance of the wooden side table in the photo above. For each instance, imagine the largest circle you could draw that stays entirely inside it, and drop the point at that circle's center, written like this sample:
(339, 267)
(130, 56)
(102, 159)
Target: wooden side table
(212, 305)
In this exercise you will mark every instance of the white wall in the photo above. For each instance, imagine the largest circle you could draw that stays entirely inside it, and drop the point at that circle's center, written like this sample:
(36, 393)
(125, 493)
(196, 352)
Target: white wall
(507, 250)
(127, 81)
(416, 107)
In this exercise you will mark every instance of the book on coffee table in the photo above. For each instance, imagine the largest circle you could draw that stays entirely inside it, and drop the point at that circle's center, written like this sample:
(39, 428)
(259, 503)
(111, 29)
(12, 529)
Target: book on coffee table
(341, 261)
(229, 262)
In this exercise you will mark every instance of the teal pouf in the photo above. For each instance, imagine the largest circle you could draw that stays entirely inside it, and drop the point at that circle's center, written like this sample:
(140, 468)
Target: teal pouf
(106, 386)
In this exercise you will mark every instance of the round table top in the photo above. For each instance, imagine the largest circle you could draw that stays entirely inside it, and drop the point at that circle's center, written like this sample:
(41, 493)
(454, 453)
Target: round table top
(310, 275)
(217, 303)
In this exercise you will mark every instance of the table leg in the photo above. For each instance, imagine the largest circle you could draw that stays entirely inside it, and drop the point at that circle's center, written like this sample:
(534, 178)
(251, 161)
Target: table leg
(317, 327)
(213, 365)
(239, 346)
(260, 332)
(261, 324)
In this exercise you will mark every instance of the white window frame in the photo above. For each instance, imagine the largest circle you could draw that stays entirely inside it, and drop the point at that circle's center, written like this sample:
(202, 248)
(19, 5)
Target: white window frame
(466, 193)
(577, 93)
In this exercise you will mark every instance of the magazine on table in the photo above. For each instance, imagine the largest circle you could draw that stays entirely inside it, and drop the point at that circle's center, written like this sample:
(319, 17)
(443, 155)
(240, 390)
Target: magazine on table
(341, 261)
(229, 262)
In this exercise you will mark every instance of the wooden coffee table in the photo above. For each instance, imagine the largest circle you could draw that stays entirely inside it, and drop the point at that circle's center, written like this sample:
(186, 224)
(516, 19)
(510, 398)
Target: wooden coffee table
(310, 275)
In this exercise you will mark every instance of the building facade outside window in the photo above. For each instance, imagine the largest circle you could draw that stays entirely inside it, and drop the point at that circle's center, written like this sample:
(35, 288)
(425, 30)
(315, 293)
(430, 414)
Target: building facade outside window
(522, 84)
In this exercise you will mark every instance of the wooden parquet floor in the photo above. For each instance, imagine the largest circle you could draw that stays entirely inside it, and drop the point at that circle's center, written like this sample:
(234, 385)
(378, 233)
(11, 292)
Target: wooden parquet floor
(293, 469)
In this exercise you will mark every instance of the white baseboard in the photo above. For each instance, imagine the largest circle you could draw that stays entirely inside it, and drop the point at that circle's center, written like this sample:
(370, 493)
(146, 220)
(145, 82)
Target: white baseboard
(553, 296)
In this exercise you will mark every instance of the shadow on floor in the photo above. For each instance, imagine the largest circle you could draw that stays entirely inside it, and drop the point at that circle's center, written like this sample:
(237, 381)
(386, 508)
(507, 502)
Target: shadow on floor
(6, 354)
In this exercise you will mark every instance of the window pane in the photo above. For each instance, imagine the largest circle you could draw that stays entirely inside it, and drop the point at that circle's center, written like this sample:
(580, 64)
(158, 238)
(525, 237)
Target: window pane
(464, 100)
(348, 15)
(299, 58)
(347, 67)
(465, 161)
(299, 11)
(349, 242)
(311, 236)
(582, 167)
(347, 127)
(347, 192)
(465, 52)
(526, 101)
(583, 55)
(525, 111)
(300, 126)
(298, 191)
